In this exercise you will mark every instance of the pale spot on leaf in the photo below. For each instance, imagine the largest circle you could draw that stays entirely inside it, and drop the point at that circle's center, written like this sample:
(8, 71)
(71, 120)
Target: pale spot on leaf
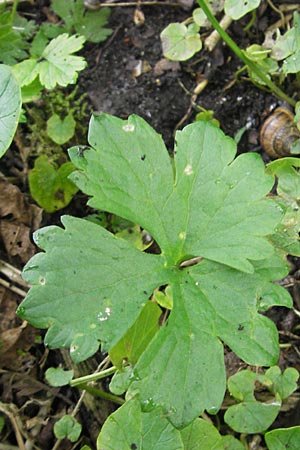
(128, 127)
(188, 170)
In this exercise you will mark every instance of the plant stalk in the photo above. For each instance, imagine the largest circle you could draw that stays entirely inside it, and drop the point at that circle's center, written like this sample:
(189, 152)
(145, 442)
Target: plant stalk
(102, 394)
(234, 47)
(14, 11)
(93, 376)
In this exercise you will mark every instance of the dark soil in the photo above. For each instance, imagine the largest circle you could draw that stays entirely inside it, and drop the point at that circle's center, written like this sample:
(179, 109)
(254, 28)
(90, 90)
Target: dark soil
(164, 98)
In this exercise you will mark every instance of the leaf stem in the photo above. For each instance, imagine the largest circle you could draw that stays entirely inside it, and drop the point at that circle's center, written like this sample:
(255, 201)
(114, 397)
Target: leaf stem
(102, 394)
(14, 11)
(240, 54)
(93, 376)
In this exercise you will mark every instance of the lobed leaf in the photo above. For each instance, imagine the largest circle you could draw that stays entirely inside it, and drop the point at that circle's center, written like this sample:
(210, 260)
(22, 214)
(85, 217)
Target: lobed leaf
(97, 275)
(91, 286)
(59, 65)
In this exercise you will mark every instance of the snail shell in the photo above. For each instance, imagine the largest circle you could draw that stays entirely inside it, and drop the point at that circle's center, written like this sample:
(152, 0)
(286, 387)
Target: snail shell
(278, 133)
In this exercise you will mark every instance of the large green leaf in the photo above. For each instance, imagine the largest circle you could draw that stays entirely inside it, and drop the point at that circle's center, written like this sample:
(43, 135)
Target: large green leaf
(98, 274)
(90, 285)
(10, 107)
(149, 431)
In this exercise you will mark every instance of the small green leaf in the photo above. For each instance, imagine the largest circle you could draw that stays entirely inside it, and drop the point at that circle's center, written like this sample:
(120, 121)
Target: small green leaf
(59, 65)
(32, 91)
(14, 37)
(250, 416)
(132, 345)
(90, 24)
(287, 48)
(26, 71)
(288, 194)
(67, 427)
(199, 17)
(148, 431)
(231, 443)
(135, 235)
(61, 130)
(283, 383)
(49, 187)
(58, 376)
(180, 42)
(10, 107)
(239, 8)
(164, 298)
(283, 439)
(201, 435)
(121, 380)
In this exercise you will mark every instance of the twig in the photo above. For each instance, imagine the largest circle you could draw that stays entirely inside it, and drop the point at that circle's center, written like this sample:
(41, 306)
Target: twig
(12, 273)
(212, 40)
(10, 411)
(146, 3)
(107, 44)
(278, 11)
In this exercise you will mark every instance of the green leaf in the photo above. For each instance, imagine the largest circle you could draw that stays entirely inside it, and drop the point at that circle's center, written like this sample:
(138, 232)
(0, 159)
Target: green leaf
(61, 130)
(283, 383)
(91, 286)
(67, 427)
(25, 72)
(90, 24)
(58, 376)
(180, 42)
(10, 107)
(49, 187)
(149, 431)
(287, 47)
(103, 306)
(14, 37)
(231, 443)
(32, 91)
(164, 298)
(239, 8)
(283, 438)
(132, 345)
(60, 66)
(121, 380)
(288, 195)
(201, 435)
(249, 416)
